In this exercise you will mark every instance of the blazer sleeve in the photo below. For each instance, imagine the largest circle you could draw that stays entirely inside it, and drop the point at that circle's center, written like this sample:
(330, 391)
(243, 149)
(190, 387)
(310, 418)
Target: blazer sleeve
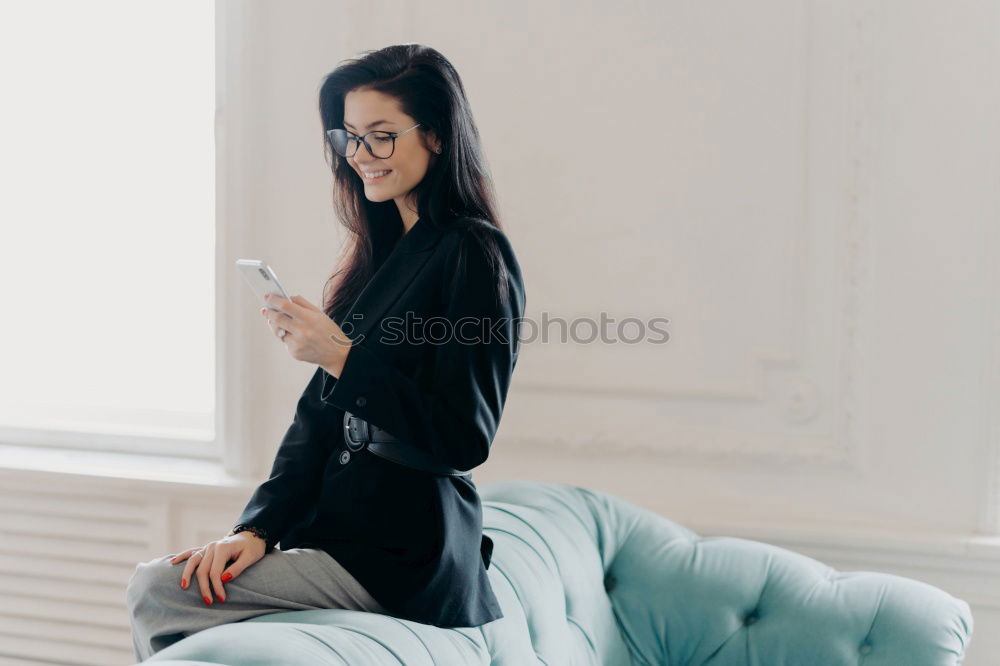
(296, 475)
(456, 416)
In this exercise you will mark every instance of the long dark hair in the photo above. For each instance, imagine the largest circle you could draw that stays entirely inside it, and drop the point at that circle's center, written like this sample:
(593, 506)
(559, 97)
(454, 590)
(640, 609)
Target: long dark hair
(457, 188)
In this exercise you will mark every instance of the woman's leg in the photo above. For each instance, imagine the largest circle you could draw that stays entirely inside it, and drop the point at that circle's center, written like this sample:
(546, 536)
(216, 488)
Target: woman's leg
(162, 613)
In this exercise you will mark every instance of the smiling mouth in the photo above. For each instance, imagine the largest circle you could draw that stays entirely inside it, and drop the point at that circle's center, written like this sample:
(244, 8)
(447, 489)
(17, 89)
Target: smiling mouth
(375, 179)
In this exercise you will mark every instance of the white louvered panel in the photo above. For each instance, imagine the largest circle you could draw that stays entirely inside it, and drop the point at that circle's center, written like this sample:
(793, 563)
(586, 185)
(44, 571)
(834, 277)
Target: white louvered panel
(197, 525)
(63, 588)
(206, 533)
(90, 529)
(82, 634)
(54, 568)
(73, 550)
(159, 524)
(66, 560)
(75, 505)
(14, 661)
(64, 565)
(64, 653)
(73, 612)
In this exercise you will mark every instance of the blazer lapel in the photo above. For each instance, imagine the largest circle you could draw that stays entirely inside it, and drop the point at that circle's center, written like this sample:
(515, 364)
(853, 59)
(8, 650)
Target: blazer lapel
(393, 276)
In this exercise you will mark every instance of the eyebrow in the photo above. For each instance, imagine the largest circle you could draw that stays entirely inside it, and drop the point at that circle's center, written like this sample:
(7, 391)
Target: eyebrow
(377, 122)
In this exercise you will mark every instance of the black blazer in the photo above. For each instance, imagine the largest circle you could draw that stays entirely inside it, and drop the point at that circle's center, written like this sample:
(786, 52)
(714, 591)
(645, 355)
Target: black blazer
(413, 539)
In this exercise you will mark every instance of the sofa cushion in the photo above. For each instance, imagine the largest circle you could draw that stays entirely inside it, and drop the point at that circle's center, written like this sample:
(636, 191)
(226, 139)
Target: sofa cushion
(585, 577)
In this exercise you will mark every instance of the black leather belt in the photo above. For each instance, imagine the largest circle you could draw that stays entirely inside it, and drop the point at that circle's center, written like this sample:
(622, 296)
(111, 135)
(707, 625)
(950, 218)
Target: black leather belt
(359, 434)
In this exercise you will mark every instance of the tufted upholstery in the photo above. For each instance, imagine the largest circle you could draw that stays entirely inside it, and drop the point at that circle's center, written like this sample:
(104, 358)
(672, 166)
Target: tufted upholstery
(587, 578)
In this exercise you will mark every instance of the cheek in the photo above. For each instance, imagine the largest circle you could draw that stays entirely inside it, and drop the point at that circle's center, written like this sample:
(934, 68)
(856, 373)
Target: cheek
(402, 175)
(412, 171)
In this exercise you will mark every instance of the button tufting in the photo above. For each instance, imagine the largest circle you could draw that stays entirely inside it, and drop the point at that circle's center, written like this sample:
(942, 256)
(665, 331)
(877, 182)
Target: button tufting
(750, 619)
(344, 457)
(865, 648)
(610, 582)
(361, 402)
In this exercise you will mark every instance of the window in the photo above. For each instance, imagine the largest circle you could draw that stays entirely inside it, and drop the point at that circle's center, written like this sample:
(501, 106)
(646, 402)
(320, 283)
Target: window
(107, 338)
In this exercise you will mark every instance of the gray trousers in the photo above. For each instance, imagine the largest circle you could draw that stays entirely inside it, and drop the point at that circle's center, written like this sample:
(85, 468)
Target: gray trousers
(161, 613)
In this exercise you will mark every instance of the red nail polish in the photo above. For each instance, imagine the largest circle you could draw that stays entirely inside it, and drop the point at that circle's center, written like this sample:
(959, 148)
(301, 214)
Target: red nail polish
(184, 584)
(208, 602)
(219, 597)
(226, 577)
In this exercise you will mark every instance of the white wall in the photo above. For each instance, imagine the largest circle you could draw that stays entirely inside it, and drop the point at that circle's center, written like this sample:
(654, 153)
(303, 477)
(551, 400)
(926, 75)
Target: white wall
(815, 212)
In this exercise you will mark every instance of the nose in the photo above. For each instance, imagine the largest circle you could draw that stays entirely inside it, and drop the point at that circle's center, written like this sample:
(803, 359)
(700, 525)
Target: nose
(363, 158)
(363, 152)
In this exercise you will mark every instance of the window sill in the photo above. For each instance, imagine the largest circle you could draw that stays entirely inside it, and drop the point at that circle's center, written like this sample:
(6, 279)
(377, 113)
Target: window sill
(115, 468)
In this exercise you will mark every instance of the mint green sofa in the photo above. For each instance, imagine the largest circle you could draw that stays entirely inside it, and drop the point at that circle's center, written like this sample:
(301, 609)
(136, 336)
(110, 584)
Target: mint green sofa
(587, 578)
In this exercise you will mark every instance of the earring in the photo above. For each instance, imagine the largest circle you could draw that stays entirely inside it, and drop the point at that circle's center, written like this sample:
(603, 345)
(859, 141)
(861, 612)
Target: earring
(438, 151)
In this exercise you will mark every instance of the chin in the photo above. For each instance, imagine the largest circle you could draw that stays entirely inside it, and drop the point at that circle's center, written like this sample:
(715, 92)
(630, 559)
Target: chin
(378, 197)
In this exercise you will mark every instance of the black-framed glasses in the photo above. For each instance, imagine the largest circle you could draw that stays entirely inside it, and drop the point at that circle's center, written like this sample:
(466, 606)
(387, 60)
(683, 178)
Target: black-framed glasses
(381, 146)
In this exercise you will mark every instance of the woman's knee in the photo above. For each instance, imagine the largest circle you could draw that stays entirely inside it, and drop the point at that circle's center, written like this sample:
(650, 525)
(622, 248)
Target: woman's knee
(151, 576)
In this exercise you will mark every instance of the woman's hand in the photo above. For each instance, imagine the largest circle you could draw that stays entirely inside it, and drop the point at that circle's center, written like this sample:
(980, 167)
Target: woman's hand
(209, 561)
(312, 336)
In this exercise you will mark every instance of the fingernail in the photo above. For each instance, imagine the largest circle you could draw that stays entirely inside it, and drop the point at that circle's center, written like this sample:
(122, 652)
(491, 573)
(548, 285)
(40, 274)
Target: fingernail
(184, 583)
(219, 597)
(208, 601)
(226, 577)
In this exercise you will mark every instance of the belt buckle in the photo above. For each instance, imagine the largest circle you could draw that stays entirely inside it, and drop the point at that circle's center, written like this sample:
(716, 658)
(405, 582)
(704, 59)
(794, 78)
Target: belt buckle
(356, 433)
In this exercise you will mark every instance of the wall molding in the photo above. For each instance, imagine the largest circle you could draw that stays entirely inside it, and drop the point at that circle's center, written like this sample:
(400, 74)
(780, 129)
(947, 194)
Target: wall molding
(966, 566)
(782, 381)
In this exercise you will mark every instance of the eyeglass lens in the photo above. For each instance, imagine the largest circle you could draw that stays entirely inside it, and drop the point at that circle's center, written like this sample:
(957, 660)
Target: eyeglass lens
(346, 144)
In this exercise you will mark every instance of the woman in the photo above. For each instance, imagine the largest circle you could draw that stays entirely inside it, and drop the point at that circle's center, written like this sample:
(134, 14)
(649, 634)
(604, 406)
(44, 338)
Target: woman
(416, 348)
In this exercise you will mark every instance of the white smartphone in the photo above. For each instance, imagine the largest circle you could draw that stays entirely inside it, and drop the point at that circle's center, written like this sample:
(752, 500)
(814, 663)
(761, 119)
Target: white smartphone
(261, 279)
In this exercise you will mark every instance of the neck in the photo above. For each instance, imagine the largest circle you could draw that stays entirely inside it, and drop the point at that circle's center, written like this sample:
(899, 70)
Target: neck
(407, 214)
